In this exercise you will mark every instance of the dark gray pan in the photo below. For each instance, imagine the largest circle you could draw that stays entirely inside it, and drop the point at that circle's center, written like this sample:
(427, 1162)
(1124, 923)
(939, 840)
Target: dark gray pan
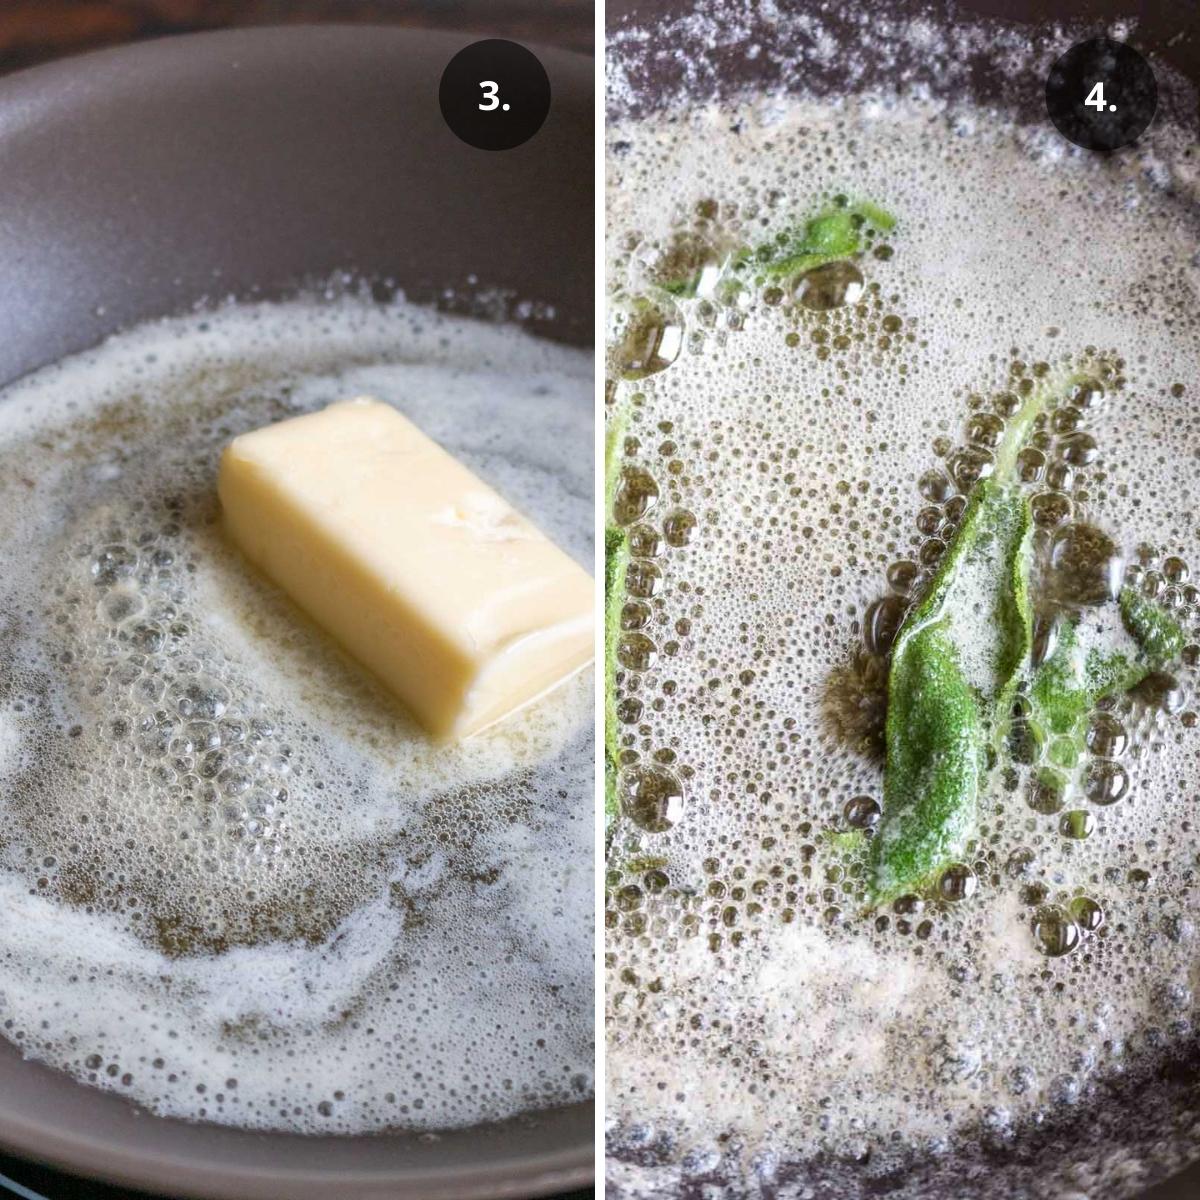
(1151, 1119)
(140, 181)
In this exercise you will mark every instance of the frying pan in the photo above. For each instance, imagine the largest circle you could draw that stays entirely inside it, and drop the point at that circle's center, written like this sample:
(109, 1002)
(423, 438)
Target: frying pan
(141, 181)
(1139, 1136)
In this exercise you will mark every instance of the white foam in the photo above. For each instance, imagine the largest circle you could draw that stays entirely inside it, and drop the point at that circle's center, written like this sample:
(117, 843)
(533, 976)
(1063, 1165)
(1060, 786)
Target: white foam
(225, 853)
(744, 1026)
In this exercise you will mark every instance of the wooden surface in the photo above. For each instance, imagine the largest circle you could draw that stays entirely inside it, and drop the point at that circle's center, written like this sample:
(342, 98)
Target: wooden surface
(33, 31)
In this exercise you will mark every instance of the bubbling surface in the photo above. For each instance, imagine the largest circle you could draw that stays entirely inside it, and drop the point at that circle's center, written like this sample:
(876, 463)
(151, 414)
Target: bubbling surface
(791, 473)
(238, 883)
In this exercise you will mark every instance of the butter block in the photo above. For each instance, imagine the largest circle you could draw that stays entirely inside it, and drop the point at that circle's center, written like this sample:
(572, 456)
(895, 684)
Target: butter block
(427, 576)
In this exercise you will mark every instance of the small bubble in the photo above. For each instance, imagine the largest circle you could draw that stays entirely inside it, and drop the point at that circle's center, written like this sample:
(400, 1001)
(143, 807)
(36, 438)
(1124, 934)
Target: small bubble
(957, 883)
(645, 542)
(233, 782)
(1020, 862)
(678, 527)
(1153, 584)
(862, 812)
(1176, 570)
(636, 494)
(643, 579)
(1086, 393)
(1086, 913)
(1086, 568)
(1066, 419)
(635, 614)
(651, 797)
(1077, 824)
(829, 286)
(1031, 464)
(1054, 933)
(1107, 782)
(1050, 508)
(968, 465)
(985, 429)
(1007, 404)
(636, 652)
(902, 575)
(935, 487)
(650, 341)
(147, 638)
(113, 563)
(1060, 477)
(929, 520)
(1080, 449)
(1106, 736)
(1047, 792)
(121, 604)
(882, 622)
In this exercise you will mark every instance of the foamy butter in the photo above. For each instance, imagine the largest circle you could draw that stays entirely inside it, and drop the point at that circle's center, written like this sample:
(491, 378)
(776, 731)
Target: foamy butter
(238, 882)
(758, 1021)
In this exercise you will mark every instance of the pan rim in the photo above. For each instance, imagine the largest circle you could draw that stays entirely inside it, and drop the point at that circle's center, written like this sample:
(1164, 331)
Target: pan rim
(571, 1164)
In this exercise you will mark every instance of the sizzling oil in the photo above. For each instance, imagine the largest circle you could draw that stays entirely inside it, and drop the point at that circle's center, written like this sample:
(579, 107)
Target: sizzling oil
(794, 462)
(237, 882)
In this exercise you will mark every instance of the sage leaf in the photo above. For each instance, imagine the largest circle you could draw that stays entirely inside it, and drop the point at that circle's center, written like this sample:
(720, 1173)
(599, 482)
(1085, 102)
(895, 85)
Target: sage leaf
(958, 659)
(955, 665)
(1159, 635)
(832, 234)
(1068, 684)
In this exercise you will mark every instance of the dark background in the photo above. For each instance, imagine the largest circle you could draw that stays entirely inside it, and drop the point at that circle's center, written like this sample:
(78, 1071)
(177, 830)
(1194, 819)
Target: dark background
(35, 31)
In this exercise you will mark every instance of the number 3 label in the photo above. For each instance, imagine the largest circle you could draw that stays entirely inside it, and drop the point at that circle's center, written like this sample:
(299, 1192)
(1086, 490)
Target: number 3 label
(493, 96)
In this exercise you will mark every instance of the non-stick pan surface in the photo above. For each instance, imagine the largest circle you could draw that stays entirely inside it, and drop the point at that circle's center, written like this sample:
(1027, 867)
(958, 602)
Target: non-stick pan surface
(141, 181)
(1148, 1127)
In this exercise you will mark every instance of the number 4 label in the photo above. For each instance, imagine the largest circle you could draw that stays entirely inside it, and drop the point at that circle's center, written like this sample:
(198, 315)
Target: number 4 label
(1095, 98)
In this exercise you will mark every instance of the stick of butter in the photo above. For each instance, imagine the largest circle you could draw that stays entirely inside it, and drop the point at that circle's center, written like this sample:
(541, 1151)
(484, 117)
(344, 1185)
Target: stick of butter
(430, 579)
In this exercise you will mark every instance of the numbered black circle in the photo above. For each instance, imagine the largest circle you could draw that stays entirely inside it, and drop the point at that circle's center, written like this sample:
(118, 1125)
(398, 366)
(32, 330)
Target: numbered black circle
(495, 94)
(1101, 94)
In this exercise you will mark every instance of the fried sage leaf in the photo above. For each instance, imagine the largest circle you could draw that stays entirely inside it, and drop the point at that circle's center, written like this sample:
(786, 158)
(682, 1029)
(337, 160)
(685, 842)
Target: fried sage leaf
(955, 665)
(834, 233)
(1067, 685)
(956, 662)
(1158, 634)
(1072, 679)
